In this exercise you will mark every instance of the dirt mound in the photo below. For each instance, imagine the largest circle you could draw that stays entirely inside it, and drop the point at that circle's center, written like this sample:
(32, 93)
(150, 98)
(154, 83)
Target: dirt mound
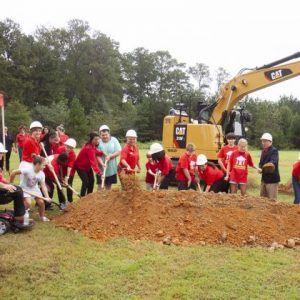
(285, 188)
(186, 217)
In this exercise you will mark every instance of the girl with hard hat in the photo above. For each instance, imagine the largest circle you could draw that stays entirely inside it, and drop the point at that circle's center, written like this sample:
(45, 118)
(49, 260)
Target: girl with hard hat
(185, 170)
(164, 165)
(237, 168)
(86, 163)
(68, 147)
(211, 175)
(226, 151)
(112, 148)
(130, 157)
(31, 146)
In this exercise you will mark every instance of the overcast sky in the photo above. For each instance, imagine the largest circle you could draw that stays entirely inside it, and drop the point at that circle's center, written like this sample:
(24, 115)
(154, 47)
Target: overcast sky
(231, 34)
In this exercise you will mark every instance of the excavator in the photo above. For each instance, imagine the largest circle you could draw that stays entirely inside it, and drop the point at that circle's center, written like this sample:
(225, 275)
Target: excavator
(223, 116)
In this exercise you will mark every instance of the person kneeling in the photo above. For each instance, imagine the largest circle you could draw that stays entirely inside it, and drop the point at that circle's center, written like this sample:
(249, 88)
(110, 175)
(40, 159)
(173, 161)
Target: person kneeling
(211, 175)
(31, 177)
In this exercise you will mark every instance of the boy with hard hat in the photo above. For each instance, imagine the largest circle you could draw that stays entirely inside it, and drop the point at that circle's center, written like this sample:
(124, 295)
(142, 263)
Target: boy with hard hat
(164, 165)
(211, 175)
(130, 157)
(112, 148)
(269, 161)
(185, 170)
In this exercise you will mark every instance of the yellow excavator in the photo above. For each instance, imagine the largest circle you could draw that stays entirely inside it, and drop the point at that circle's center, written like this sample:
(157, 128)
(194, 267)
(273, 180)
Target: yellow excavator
(221, 117)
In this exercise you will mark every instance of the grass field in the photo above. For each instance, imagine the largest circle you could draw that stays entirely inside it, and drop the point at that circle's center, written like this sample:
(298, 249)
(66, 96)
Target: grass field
(52, 263)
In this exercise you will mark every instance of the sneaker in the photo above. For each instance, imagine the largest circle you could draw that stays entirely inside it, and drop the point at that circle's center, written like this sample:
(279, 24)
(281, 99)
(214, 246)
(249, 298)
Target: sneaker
(62, 206)
(44, 219)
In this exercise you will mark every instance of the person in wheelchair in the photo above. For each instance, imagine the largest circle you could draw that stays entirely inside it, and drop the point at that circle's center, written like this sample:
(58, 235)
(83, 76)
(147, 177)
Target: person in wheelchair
(11, 193)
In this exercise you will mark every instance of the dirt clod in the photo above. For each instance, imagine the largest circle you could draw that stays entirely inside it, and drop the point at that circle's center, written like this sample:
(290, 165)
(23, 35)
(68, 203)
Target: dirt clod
(205, 218)
(291, 243)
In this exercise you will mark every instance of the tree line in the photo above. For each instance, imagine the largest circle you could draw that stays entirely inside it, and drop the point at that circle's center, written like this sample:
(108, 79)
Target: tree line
(78, 77)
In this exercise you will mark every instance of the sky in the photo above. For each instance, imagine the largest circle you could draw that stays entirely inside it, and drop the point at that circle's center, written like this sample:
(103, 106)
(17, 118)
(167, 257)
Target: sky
(229, 34)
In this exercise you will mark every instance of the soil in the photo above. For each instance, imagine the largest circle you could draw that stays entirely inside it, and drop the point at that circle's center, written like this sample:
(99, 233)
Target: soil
(181, 218)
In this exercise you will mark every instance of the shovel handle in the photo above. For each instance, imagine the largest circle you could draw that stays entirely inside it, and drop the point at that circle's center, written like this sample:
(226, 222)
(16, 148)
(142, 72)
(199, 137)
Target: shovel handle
(103, 175)
(37, 196)
(199, 187)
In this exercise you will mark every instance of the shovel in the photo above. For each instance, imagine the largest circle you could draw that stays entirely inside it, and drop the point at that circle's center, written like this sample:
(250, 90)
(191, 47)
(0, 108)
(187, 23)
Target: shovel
(38, 196)
(155, 186)
(103, 175)
(199, 187)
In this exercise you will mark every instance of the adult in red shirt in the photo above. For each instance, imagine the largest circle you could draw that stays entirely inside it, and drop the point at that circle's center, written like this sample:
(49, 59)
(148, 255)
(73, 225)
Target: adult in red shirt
(164, 165)
(31, 145)
(61, 134)
(296, 181)
(226, 151)
(151, 168)
(237, 168)
(185, 170)
(58, 163)
(211, 175)
(69, 171)
(130, 157)
(86, 162)
(20, 139)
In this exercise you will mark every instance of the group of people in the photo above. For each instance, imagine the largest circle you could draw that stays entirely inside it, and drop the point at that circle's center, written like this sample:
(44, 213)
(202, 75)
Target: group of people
(48, 160)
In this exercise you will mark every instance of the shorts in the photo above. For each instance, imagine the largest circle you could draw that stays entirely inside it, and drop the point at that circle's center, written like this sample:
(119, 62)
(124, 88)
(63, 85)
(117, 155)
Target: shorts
(35, 191)
(108, 180)
(238, 183)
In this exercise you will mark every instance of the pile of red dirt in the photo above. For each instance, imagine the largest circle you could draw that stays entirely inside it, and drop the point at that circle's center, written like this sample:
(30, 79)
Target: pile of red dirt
(285, 188)
(186, 217)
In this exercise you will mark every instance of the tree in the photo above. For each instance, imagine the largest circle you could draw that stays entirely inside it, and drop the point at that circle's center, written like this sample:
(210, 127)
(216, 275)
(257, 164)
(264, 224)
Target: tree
(294, 131)
(201, 74)
(77, 124)
(221, 77)
(16, 114)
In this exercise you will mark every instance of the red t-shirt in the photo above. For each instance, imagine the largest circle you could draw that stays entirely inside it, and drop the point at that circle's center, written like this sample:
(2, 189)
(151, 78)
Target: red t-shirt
(186, 162)
(63, 138)
(165, 165)
(58, 169)
(296, 169)
(131, 155)
(20, 139)
(153, 167)
(225, 154)
(2, 179)
(31, 146)
(86, 159)
(71, 159)
(210, 175)
(239, 162)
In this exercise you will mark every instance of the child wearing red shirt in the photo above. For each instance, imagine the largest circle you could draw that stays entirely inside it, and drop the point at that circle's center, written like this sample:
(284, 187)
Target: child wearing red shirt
(164, 165)
(20, 139)
(151, 168)
(185, 170)
(296, 181)
(226, 151)
(86, 162)
(211, 175)
(237, 168)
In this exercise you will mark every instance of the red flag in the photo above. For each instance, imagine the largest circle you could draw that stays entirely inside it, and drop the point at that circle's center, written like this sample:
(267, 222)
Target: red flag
(1, 100)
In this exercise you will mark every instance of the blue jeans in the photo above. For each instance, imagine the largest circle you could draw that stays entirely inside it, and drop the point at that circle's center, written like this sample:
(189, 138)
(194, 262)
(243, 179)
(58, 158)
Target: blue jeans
(296, 187)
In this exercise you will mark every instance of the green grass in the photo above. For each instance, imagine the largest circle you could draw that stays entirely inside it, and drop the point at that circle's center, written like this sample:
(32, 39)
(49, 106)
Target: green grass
(53, 263)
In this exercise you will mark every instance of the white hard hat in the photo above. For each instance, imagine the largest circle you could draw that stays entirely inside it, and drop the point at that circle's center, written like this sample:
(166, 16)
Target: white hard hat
(155, 148)
(104, 127)
(267, 136)
(71, 143)
(36, 124)
(131, 133)
(2, 150)
(201, 160)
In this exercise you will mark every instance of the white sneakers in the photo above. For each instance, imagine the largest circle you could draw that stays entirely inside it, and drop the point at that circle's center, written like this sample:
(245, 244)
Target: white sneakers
(44, 219)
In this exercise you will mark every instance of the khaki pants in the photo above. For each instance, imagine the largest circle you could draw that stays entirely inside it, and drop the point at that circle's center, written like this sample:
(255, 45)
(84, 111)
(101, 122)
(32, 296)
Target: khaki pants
(269, 190)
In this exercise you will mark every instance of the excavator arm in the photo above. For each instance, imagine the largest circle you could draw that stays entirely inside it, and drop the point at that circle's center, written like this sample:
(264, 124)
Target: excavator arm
(247, 82)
